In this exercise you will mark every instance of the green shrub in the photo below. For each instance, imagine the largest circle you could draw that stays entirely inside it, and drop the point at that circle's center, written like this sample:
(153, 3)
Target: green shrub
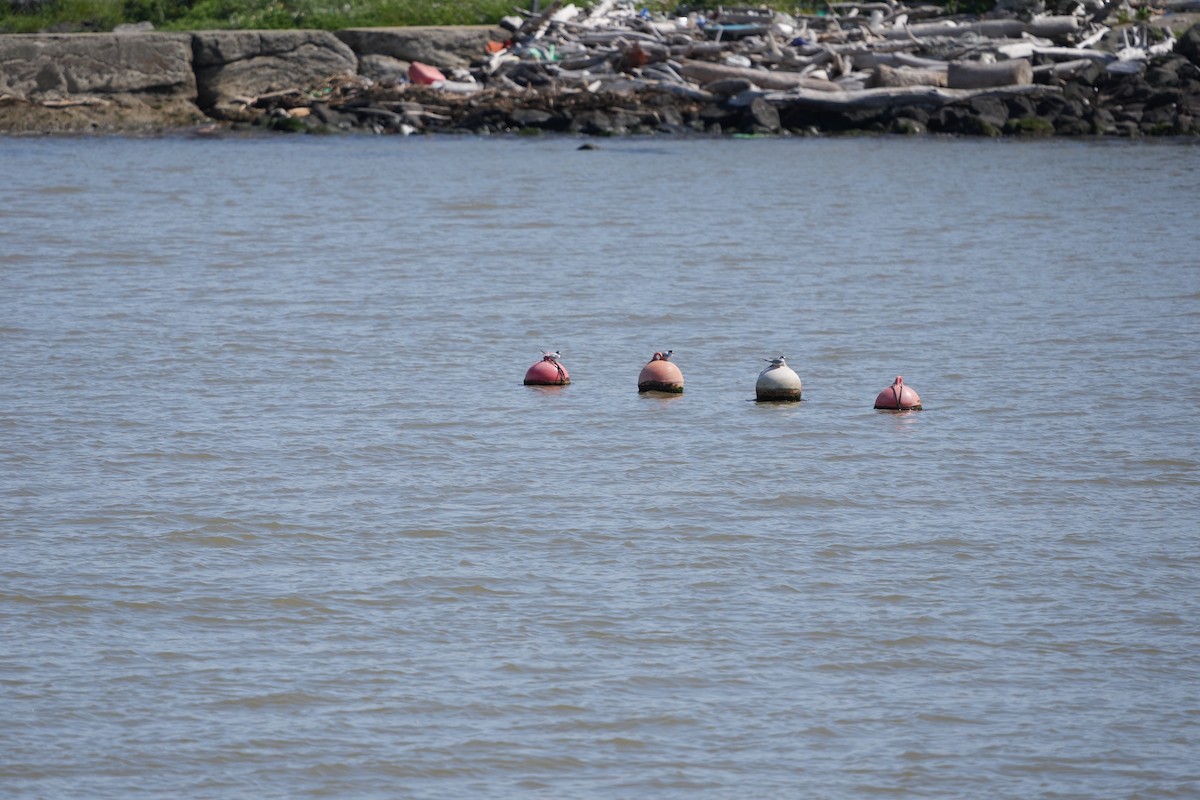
(30, 16)
(1029, 126)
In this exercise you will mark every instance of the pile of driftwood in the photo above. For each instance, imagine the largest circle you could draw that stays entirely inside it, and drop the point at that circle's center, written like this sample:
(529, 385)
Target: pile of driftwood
(856, 52)
(621, 69)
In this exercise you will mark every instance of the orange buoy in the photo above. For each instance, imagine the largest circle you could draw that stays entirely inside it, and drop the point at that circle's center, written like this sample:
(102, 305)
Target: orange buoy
(777, 383)
(423, 73)
(547, 372)
(660, 375)
(898, 397)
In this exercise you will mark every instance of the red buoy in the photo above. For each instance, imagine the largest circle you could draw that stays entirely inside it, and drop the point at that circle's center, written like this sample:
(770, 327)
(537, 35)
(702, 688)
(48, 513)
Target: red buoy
(547, 372)
(660, 375)
(898, 397)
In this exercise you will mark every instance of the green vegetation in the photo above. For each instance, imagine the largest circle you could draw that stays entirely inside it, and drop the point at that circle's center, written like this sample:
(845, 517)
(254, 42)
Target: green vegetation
(32, 16)
(1029, 126)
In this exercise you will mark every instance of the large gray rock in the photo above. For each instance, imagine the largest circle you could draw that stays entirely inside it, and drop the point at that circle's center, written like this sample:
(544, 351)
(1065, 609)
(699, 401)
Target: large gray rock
(444, 48)
(382, 69)
(1188, 45)
(237, 64)
(59, 65)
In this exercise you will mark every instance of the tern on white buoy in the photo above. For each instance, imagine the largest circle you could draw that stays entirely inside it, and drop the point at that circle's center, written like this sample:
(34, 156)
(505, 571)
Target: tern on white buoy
(777, 382)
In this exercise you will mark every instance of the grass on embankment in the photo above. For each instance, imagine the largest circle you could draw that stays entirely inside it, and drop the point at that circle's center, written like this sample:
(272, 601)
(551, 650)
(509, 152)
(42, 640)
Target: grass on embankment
(34, 16)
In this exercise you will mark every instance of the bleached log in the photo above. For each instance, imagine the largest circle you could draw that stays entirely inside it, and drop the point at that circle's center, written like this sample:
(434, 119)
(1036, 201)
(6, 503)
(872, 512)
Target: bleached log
(698, 49)
(608, 37)
(909, 60)
(1053, 26)
(1063, 69)
(627, 85)
(1048, 27)
(900, 59)
(862, 7)
(886, 76)
(1073, 53)
(72, 102)
(988, 28)
(703, 72)
(927, 96)
(978, 75)
(1022, 48)
(857, 49)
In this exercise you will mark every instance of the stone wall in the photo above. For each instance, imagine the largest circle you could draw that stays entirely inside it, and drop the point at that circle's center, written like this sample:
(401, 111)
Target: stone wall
(150, 80)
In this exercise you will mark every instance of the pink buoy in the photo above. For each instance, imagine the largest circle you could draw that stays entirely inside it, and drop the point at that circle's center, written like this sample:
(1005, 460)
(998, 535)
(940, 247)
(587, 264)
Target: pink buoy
(660, 375)
(547, 372)
(423, 73)
(898, 397)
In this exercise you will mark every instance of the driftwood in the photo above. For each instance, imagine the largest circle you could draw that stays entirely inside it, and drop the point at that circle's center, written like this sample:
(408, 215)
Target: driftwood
(881, 43)
(1074, 54)
(704, 72)
(886, 76)
(73, 102)
(861, 58)
(875, 99)
(1063, 69)
(988, 29)
(536, 26)
(977, 75)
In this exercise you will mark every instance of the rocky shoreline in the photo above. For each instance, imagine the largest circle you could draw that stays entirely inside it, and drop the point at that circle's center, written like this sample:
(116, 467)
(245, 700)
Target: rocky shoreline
(629, 76)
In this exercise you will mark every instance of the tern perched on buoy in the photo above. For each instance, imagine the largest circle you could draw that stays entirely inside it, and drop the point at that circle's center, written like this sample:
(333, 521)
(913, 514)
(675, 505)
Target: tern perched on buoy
(660, 375)
(548, 371)
(778, 382)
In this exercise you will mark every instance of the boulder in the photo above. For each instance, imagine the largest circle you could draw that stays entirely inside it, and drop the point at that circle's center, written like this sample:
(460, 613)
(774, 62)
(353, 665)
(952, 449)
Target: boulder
(1188, 45)
(444, 48)
(530, 117)
(244, 64)
(59, 65)
(761, 116)
(382, 69)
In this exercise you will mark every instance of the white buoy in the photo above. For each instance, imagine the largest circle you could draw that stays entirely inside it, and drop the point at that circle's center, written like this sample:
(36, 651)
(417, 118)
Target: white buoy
(778, 382)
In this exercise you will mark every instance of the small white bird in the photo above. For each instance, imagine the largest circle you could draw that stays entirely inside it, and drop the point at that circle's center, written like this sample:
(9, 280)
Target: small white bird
(667, 355)
(777, 362)
(555, 356)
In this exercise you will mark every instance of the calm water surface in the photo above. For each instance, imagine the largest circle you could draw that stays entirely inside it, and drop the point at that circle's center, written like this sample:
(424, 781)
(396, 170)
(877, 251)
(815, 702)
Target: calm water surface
(279, 520)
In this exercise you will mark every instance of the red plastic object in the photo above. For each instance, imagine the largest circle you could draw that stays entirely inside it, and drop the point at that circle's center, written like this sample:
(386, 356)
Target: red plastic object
(423, 73)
